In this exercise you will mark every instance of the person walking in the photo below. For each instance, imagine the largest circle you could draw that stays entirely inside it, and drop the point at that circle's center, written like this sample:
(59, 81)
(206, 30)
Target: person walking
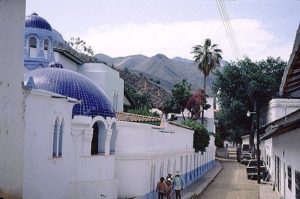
(178, 184)
(168, 188)
(161, 188)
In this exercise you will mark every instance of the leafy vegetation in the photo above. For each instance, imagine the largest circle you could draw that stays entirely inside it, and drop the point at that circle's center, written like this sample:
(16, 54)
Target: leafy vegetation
(182, 98)
(181, 92)
(80, 46)
(201, 135)
(241, 87)
(143, 111)
(219, 141)
(196, 103)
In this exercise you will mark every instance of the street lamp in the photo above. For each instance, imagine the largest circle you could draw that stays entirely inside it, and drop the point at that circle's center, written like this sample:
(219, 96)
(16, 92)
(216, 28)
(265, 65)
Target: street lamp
(249, 113)
(257, 141)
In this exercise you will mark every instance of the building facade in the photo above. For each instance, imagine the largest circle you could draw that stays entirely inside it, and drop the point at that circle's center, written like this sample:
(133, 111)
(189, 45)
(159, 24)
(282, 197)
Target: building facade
(60, 136)
(280, 137)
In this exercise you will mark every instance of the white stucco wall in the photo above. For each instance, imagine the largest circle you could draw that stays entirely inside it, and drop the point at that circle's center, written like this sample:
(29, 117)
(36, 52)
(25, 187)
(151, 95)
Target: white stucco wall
(136, 137)
(266, 155)
(286, 147)
(145, 153)
(209, 113)
(77, 174)
(44, 176)
(108, 79)
(66, 62)
(278, 108)
(12, 14)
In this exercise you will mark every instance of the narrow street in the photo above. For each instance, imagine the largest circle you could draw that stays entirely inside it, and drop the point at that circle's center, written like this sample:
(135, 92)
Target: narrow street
(231, 183)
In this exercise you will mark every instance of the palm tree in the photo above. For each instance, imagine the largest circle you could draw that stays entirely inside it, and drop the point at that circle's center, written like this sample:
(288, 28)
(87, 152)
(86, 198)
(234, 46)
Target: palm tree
(207, 58)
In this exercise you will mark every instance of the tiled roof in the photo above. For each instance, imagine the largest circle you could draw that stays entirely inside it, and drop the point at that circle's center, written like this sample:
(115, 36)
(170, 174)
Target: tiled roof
(130, 117)
(290, 83)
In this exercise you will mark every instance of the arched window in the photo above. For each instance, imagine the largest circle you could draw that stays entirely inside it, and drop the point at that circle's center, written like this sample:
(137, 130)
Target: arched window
(32, 47)
(55, 139)
(60, 140)
(46, 48)
(113, 139)
(98, 140)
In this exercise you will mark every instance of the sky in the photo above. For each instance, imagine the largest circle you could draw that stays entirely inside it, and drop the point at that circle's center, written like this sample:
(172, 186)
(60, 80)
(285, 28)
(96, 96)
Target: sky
(172, 27)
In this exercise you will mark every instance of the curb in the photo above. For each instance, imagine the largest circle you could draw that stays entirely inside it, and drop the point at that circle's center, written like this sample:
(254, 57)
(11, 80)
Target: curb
(203, 181)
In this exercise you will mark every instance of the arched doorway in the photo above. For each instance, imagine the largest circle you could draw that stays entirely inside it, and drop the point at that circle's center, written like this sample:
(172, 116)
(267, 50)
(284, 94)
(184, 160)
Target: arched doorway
(98, 140)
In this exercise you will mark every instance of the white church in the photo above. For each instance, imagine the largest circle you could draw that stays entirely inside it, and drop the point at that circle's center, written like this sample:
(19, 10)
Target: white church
(61, 131)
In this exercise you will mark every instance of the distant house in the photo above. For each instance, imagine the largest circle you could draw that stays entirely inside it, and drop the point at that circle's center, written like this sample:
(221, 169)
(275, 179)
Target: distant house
(280, 140)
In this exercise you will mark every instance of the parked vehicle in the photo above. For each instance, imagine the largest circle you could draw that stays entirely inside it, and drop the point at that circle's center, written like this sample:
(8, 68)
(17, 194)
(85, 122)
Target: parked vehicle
(245, 148)
(238, 154)
(252, 169)
(245, 157)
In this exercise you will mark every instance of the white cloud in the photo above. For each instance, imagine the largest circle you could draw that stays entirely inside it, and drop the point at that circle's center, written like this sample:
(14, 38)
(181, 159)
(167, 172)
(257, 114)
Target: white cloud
(178, 38)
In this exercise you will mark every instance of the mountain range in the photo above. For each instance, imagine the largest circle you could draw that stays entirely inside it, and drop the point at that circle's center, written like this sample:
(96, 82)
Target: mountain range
(160, 68)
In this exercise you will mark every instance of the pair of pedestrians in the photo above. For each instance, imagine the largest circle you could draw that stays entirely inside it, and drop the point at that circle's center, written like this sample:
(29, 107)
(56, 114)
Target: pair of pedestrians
(164, 189)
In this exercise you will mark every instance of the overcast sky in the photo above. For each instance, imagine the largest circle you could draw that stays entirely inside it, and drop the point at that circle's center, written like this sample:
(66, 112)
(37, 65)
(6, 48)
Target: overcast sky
(173, 27)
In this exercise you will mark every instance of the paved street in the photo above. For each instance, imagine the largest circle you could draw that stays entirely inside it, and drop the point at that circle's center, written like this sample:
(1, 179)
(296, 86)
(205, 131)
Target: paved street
(231, 183)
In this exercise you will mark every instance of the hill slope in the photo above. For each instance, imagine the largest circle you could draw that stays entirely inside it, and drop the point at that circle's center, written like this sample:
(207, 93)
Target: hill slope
(161, 68)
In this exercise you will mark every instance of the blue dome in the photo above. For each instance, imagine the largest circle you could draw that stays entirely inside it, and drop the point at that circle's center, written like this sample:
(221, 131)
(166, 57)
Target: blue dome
(35, 21)
(55, 65)
(72, 84)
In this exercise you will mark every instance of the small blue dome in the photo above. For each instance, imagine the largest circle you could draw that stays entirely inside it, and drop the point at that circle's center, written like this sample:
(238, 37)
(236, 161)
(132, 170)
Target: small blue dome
(55, 65)
(35, 21)
(72, 84)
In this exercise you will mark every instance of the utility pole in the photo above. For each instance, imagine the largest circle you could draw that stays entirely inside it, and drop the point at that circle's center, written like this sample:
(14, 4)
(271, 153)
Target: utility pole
(257, 142)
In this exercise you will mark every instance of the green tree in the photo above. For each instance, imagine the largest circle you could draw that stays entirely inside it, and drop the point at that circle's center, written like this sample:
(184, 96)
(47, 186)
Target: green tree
(201, 135)
(240, 87)
(207, 57)
(142, 99)
(181, 92)
(80, 46)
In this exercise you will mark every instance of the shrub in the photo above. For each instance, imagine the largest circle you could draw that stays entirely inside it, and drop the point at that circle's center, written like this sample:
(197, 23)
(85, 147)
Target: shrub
(201, 135)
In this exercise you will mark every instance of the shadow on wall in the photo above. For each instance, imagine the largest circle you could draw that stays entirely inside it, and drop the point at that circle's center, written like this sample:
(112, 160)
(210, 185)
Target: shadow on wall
(8, 195)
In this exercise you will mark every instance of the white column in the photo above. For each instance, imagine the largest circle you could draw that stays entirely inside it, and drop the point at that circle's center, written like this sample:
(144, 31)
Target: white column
(107, 141)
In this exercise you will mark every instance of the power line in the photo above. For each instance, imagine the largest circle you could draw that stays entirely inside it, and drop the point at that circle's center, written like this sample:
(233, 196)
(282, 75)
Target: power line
(228, 28)
(225, 26)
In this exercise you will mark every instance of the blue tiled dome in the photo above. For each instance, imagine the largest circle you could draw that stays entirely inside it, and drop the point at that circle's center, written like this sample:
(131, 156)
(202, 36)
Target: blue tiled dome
(35, 21)
(55, 65)
(72, 84)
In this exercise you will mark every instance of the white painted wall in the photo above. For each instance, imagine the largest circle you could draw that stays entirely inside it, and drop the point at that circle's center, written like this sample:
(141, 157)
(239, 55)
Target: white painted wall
(209, 113)
(66, 62)
(278, 108)
(286, 147)
(12, 14)
(44, 176)
(108, 79)
(77, 174)
(145, 153)
(267, 155)
(105, 77)
(135, 137)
